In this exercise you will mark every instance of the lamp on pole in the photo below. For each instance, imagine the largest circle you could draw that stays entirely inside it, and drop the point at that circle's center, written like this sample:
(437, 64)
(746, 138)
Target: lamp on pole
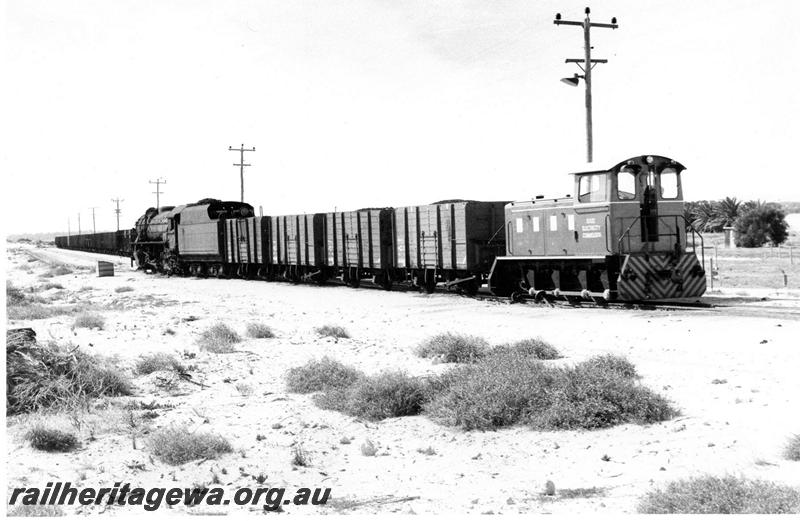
(585, 64)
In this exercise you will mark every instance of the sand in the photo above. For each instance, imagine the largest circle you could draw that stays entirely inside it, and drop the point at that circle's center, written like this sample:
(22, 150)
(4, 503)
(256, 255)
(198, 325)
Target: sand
(739, 426)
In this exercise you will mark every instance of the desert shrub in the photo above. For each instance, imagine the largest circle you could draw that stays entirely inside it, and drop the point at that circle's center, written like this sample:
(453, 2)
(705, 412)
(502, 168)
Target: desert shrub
(386, 395)
(532, 347)
(725, 495)
(36, 511)
(453, 348)
(792, 449)
(496, 392)
(256, 330)
(52, 285)
(89, 320)
(50, 439)
(177, 445)
(332, 331)
(318, 375)
(14, 295)
(37, 311)
(593, 395)
(504, 390)
(55, 376)
(123, 289)
(762, 224)
(151, 363)
(609, 363)
(219, 338)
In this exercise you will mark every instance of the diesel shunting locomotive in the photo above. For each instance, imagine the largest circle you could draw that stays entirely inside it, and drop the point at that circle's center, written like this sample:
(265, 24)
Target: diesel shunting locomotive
(622, 236)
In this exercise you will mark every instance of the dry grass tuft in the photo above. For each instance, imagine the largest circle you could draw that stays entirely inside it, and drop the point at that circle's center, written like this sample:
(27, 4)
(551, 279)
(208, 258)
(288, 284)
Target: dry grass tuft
(574, 493)
(62, 377)
(368, 448)
(147, 364)
(244, 389)
(38, 311)
(123, 289)
(792, 449)
(454, 348)
(50, 439)
(319, 375)
(23, 306)
(725, 495)
(52, 285)
(177, 445)
(300, 457)
(219, 338)
(14, 295)
(89, 320)
(530, 347)
(332, 331)
(256, 330)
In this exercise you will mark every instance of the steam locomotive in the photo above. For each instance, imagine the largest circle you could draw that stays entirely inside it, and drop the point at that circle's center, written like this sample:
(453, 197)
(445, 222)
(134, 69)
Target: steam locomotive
(621, 237)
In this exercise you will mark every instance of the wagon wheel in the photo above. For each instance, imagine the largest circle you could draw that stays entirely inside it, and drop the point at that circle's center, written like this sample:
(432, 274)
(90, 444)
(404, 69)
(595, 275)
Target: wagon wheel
(430, 284)
(384, 281)
(354, 280)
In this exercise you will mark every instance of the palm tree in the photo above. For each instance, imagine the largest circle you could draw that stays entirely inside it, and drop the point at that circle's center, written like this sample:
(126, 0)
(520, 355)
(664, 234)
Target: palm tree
(728, 210)
(707, 217)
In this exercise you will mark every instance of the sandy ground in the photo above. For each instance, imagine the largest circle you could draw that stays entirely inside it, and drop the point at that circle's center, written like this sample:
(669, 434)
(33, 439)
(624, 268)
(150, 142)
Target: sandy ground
(737, 427)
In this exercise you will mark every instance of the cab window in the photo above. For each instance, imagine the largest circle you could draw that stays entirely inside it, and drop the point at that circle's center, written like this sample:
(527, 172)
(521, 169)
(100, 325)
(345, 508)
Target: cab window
(592, 188)
(626, 185)
(669, 183)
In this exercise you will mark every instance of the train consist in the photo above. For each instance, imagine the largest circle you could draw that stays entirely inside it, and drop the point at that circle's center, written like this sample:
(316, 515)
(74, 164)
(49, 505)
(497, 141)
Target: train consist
(621, 237)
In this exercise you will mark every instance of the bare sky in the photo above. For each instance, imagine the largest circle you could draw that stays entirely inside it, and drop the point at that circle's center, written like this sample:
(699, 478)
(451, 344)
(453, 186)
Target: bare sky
(382, 102)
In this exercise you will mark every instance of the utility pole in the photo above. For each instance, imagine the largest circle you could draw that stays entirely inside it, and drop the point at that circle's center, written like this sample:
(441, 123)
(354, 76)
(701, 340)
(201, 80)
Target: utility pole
(158, 182)
(79, 223)
(117, 210)
(586, 64)
(94, 227)
(241, 164)
(69, 230)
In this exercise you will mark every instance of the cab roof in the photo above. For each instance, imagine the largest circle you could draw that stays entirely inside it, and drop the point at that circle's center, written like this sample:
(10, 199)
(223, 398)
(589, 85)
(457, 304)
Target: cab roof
(641, 161)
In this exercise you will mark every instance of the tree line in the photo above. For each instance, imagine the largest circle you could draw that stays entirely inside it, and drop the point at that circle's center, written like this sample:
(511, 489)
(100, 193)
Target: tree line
(755, 223)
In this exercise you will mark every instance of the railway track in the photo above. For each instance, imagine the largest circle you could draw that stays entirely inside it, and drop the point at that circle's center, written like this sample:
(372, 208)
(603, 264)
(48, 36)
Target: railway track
(744, 307)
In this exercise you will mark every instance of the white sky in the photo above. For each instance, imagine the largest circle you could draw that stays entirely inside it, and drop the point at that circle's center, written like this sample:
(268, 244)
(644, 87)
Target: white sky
(382, 102)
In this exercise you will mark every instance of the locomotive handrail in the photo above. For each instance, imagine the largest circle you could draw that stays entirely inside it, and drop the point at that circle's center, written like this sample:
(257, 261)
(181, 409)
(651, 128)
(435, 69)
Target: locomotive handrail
(688, 226)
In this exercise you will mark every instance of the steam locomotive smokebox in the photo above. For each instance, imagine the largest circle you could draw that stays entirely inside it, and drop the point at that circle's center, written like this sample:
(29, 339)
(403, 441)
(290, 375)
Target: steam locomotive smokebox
(105, 269)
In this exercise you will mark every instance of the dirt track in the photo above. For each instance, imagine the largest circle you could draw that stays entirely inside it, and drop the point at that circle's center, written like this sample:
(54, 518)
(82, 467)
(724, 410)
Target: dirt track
(736, 427)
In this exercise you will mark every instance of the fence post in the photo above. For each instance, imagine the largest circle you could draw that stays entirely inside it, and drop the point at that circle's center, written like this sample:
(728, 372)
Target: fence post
(711, 273)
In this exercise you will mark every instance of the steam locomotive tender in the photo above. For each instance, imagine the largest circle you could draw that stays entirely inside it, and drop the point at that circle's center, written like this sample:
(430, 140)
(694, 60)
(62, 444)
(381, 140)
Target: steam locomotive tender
(622, 237)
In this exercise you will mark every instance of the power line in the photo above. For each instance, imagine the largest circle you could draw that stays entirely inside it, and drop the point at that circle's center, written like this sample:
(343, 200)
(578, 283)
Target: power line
(587, 65)
(94, 227)
(117, 210)
(158, 182)
(241, 164)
